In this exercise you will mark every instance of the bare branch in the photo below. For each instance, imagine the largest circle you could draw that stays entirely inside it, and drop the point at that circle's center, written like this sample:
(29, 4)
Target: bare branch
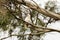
(21, 35)
(34, 26)
(41, 10)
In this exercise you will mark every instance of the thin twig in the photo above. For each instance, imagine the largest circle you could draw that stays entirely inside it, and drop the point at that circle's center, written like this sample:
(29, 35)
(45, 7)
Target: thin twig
(40, 27)
(41, 10)
(21, 35)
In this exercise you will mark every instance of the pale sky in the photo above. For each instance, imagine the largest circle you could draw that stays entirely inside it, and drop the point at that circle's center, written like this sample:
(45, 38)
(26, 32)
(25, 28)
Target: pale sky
(54, 25)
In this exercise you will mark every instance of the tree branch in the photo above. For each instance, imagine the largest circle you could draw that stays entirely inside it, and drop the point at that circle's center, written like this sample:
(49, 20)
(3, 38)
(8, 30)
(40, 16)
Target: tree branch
(37, 27)
(21, 35)
(41, 10)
